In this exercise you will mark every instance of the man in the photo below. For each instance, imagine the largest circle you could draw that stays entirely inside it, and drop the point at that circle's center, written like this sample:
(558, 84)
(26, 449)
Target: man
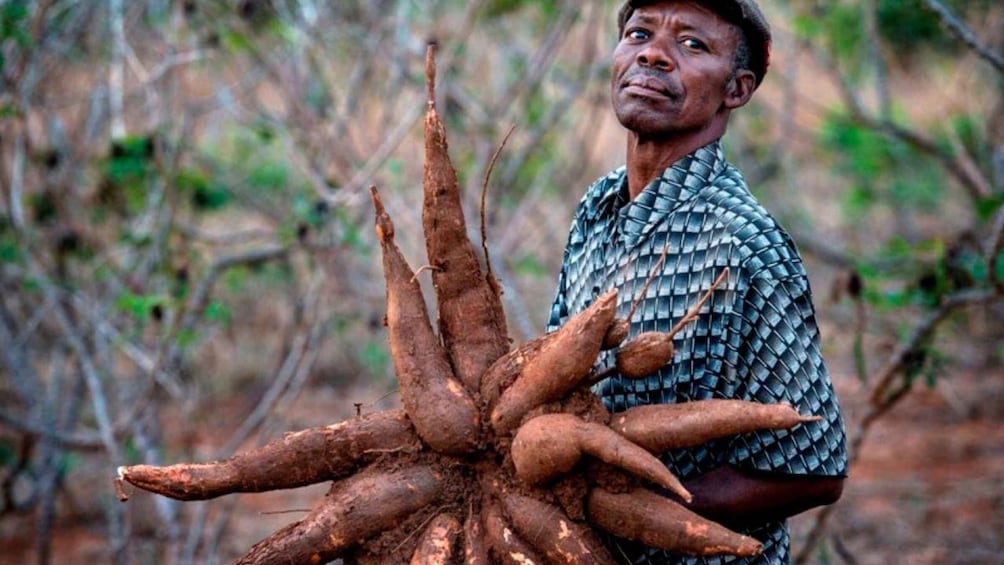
(679, 70)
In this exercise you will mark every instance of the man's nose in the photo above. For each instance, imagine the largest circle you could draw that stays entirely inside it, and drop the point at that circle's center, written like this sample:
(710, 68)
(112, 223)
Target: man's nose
(656, 54)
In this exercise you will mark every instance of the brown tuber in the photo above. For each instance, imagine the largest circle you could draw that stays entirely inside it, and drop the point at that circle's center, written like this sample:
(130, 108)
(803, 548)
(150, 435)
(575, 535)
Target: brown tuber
(440, 407)
(644, 354)
(550, 445)
(354, 510)
(438, 545)
(657, 521)
(662, 427)
(506, 546)
(558, 366)
(471, 319)
(295, 460)
(554, 534)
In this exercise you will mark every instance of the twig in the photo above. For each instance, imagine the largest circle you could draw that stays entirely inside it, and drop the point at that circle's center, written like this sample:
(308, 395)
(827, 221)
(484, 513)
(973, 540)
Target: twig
(972, 183)
(200, 297)
(48, 461)
(379, 156)
(921, 334)
(303, 351)
(17, 182)
(422, 269)
(965, 34)
(651, 275)
(484, 194)
(289, 511)
(12, 356)
(363, 178)
(517, 309)
(695, 310)
(83, 441)
(116, 71)
(541, 60)
(134, 352)
(993, 250)
(874, 44)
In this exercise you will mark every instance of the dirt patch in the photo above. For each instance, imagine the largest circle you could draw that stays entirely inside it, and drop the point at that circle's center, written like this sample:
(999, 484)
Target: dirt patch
(928, 487)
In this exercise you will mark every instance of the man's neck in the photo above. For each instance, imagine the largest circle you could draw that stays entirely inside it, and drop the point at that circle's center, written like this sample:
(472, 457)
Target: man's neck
(648, 158)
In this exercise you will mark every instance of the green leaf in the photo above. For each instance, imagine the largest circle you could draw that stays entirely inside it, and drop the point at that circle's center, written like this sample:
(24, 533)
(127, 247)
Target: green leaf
(374, 357)
(235, 41)
(14, 22)
(9, 251)
(269, 176)
(987, 206)
(530, 265)
(127, 172)
(217, 311)
(140, 306)
(6, 453)
(187, 338)
(806, 27)
(7, 110)
(205, 195)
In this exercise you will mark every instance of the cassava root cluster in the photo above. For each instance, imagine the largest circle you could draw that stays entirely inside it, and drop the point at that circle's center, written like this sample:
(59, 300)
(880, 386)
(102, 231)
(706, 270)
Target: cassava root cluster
(499, 455)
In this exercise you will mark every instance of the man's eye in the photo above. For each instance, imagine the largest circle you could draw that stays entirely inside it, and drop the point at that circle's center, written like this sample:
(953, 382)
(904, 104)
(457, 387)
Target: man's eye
(695, 44)
(636, 34)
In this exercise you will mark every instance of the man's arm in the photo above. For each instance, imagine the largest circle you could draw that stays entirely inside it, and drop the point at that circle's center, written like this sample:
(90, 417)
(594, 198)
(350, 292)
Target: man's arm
(738, 498)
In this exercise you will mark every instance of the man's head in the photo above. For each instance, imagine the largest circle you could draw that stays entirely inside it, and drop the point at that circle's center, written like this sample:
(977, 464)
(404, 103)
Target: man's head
(754, 51)
(681, 66)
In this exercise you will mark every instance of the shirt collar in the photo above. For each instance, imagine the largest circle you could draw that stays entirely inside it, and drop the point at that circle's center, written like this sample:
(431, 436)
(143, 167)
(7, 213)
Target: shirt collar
(677, 184)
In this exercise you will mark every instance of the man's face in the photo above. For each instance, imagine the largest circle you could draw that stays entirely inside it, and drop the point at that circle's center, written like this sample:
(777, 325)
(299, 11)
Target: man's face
(672, 70)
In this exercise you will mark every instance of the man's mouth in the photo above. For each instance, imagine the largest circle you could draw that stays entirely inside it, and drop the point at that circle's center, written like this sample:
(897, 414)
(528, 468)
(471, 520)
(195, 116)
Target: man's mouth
(643, 84)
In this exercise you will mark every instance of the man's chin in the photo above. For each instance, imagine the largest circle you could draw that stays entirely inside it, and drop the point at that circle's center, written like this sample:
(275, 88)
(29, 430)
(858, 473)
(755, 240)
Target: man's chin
(646, 120)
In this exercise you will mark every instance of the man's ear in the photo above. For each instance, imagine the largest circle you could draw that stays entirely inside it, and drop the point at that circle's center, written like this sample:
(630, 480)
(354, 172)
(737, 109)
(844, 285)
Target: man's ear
(740, 89)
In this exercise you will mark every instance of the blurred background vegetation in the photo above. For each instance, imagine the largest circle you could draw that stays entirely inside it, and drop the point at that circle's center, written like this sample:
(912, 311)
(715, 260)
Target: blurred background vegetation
(187, 266)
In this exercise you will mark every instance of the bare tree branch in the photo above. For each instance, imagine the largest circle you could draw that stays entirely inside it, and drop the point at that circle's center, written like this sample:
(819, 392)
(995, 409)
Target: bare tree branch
(116, 68)
(963, 32)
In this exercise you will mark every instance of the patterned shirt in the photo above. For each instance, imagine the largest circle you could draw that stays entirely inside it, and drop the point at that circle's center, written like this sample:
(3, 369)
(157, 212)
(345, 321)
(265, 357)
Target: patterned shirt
(756, 338)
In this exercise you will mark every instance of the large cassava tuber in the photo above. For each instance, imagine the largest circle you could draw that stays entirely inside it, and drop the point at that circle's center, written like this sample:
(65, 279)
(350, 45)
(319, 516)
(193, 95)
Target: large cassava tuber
(494, 436)
(660, 428)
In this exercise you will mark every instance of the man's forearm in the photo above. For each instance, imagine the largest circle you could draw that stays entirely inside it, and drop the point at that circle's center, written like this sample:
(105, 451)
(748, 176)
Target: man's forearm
(736, 498)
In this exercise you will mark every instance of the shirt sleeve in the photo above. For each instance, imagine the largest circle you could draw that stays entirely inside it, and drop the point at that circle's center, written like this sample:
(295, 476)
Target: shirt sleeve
(780, 362)
(559, 308)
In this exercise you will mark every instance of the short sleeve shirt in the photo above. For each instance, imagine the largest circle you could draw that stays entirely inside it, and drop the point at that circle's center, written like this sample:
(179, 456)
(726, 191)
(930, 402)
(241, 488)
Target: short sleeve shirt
(756, 338)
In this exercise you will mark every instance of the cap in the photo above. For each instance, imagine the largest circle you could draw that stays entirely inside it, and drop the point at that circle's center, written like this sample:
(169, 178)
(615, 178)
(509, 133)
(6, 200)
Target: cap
(743, 13)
